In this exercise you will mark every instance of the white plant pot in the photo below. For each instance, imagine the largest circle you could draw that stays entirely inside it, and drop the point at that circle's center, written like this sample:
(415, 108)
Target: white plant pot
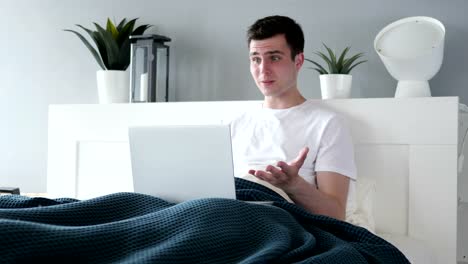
(335, 85)
(113, 86)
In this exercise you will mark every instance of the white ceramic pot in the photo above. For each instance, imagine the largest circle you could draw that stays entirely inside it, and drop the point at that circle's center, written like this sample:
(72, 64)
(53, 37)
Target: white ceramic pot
(113, 86)
(335, 85)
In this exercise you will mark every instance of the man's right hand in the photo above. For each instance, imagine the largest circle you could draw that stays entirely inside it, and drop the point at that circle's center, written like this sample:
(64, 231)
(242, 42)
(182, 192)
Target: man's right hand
(287, 176)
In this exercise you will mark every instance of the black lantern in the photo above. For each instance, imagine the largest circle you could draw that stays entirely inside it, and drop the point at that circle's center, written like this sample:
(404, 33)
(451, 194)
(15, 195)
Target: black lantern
(149, 69)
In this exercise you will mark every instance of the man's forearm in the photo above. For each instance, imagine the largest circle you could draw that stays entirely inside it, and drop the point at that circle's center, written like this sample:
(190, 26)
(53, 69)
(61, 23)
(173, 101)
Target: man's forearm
(315, 201)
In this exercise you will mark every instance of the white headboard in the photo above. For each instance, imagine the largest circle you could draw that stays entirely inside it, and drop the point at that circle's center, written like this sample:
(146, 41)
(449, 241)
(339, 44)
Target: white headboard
(409, 146)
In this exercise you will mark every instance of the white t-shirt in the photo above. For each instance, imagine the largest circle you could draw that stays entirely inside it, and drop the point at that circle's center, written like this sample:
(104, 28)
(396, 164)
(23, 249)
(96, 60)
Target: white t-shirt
(265, 136)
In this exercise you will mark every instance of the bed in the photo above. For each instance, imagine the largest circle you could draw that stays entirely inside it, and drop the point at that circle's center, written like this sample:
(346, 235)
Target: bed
(406, 154)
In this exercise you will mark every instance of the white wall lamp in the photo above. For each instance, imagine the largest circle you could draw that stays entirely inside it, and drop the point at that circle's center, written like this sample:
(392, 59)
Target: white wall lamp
(412, 50)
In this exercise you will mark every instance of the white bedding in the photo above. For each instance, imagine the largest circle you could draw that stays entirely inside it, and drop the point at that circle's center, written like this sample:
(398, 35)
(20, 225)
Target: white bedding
(416, 251)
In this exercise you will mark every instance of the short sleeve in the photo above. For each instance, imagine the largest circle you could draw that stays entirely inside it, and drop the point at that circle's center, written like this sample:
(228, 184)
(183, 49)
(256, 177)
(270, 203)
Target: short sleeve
(336, 151)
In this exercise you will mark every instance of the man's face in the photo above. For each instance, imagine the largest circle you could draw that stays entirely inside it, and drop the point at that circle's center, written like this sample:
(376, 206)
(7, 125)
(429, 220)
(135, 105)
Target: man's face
(271, 66)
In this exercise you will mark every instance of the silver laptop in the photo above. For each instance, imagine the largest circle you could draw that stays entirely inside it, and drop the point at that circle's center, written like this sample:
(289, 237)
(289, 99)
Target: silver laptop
(179, 163)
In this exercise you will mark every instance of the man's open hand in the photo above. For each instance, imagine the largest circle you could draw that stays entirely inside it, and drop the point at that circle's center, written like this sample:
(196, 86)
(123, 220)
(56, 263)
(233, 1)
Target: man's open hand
(286, 176)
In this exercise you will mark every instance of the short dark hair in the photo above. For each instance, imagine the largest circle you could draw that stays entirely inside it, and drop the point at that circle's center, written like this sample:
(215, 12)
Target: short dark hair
(270, 26)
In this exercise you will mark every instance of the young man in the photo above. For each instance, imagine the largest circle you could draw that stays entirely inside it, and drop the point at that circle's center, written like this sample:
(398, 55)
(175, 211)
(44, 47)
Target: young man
(290, 144)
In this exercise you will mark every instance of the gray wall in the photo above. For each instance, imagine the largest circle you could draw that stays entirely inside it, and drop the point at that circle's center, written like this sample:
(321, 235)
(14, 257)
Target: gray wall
(43, 65)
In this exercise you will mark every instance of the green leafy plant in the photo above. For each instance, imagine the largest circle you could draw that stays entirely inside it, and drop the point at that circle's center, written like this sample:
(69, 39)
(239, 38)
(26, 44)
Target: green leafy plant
(113, 43)
(342, 65)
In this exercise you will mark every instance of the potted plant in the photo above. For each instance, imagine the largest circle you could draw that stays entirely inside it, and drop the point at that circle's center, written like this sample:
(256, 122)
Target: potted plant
(336, 81)
(112, 53)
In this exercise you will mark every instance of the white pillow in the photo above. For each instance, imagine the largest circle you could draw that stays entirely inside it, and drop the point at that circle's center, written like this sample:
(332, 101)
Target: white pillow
(359, 211)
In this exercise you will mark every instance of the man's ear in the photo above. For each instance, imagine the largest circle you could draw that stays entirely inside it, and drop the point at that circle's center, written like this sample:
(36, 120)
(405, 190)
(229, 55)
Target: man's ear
(299, 60)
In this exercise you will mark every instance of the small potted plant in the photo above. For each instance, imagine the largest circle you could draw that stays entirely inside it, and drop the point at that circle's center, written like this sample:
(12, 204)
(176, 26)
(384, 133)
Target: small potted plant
(336, 81)
(112, 53)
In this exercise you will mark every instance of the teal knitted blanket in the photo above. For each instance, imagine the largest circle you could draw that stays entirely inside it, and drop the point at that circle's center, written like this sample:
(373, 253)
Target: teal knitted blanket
(137, 228)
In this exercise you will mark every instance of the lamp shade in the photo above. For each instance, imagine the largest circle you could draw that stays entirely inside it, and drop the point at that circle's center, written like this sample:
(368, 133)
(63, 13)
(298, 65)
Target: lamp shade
(412, 51)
